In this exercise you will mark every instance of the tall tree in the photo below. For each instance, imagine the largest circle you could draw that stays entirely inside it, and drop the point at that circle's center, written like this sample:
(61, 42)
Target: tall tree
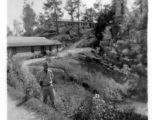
(9, 32)
(105, 18)
(89, 15)
(78, 16)
(53, 8)
(141, 5)
(139, 14)
(98, 5)
(29, 18)
(41, 19)
(71, 6)
(18, 30)
(78, 13)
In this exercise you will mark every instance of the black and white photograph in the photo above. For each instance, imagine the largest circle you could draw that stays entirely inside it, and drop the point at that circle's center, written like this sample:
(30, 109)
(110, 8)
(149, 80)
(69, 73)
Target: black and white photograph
(77, 59)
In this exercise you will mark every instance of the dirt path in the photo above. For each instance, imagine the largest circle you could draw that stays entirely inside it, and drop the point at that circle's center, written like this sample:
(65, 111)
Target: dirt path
(18, 113)
(75, 44)
(27, 62)
(73, 51)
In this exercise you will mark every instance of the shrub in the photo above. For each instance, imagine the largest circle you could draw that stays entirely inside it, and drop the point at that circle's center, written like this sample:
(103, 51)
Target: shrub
(96, 109)
(21, 79)
(21, 83)
(107, 87)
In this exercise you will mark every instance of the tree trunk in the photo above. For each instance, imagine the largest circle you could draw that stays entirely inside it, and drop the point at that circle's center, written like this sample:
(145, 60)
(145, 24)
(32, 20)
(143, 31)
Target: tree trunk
(72, 19)
(78, 20)
(141, 10)
(56, 18)
(90, 16)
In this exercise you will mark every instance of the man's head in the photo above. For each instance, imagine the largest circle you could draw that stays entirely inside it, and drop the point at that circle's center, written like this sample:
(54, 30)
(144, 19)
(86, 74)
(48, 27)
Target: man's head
(45, 65)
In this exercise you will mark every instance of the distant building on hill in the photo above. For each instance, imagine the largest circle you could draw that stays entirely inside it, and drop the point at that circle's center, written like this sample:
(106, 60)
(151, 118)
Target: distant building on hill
(31, 46)
(69, 22)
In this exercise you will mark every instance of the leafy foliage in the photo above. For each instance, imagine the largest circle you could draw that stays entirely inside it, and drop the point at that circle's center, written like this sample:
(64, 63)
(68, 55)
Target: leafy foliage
(53, 9)
(71, 6)
(28, 18)
(41, 19)
(9, 32)
(126, 52)
(18, 30)
(98, 5)
(89, 15)
(106, 18)
(98, 109)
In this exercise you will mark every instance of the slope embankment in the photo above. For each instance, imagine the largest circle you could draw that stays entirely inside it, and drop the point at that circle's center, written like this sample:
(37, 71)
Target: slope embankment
(18, 113)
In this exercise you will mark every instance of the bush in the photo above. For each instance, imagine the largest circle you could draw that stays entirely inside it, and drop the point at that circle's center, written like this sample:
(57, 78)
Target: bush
(21, 79)
(21, 83)
(15, 78)
(107, 87)
(43, 110)
(96, 109)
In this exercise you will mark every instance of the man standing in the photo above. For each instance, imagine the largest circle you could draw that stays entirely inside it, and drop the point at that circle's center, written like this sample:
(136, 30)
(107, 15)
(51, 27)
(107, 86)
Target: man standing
(45, 80)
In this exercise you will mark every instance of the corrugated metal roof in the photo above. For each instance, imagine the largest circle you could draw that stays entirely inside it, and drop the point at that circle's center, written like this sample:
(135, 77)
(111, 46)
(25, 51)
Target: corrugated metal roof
(30, 41)
(69, 20)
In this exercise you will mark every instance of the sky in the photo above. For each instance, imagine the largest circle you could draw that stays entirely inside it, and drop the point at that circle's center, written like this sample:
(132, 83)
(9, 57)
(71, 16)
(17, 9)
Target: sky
(15, 8)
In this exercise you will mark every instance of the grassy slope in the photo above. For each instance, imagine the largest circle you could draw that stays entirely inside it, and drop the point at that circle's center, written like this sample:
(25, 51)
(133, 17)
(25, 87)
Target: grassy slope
(73, 94)
(17, 85)
(69, 95)
(80, 73)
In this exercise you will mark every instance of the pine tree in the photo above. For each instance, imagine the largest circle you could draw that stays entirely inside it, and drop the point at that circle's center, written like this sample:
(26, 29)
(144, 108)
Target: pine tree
(71, 6)
(9, 32)
(53, 6)
(89, 15)
(29, 19)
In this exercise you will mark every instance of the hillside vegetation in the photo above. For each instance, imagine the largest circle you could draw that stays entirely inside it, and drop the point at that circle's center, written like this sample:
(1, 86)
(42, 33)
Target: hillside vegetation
(122, 45)
(108, 81)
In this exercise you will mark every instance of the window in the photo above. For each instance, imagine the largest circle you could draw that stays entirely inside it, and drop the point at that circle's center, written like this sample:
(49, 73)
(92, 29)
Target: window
(32, 49)
(43, 48)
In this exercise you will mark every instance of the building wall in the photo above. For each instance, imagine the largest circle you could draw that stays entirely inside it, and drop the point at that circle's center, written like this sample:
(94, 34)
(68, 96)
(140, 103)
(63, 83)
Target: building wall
(26, 51)
(37, 49)
(23, 51)
(86, 25)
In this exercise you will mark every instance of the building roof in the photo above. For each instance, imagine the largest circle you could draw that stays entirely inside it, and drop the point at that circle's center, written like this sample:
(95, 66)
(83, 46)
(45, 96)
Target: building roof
(69, 20)
(30, 41)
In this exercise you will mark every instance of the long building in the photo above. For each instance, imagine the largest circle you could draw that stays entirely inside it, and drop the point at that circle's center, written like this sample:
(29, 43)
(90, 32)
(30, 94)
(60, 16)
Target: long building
(69, 22)
(31, 46)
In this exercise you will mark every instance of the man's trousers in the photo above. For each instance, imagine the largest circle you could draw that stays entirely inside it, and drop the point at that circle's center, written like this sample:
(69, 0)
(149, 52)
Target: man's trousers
(48, 91)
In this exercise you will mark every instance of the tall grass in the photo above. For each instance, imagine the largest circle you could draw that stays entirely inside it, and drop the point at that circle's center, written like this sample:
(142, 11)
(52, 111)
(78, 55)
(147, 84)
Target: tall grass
(106, 86)
(18, 82)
